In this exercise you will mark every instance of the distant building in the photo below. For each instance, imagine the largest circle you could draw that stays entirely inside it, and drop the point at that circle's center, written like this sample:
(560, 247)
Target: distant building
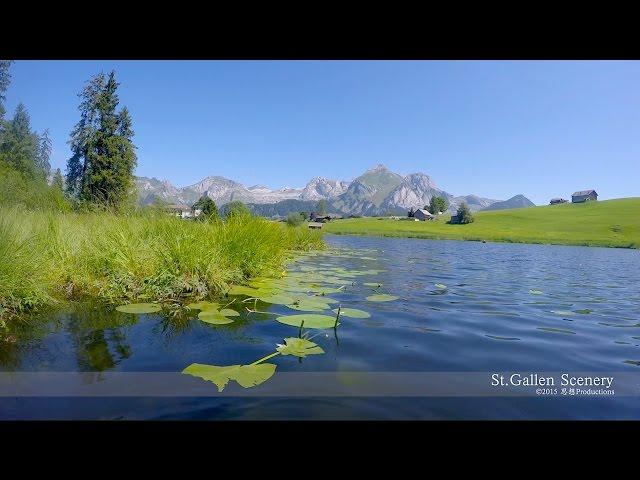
(584, 196)
(314, 217)
(180, 210)
(423, 215)
(556, 201)
(315, 225)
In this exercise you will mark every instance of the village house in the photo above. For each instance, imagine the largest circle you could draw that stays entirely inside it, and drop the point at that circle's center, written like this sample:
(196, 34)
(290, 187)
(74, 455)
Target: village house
(423, 215)
(183, 211)
(556, 201)
(315, 225)
(584, 196)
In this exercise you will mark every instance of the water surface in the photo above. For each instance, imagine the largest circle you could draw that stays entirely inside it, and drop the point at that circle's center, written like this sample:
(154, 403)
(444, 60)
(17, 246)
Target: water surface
(462, 307)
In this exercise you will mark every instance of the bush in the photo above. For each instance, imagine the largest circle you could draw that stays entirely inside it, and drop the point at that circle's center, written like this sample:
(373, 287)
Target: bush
(464, 214)
(294, 219)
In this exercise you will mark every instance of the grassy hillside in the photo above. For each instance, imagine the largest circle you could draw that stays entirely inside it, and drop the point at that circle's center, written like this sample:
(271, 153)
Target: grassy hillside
(609, 223)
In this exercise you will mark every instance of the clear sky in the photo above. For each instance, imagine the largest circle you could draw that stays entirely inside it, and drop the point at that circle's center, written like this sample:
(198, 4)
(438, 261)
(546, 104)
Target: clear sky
(494, 129)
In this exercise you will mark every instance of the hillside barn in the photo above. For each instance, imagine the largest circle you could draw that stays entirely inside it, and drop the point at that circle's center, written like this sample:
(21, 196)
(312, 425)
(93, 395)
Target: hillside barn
(423, 215)
(584, 196)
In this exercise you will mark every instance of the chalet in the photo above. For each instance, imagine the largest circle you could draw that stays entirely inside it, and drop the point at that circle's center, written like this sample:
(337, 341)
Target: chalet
(556, 201)
(584, 196)
(179, 210)
(315, 225)
(423, 215)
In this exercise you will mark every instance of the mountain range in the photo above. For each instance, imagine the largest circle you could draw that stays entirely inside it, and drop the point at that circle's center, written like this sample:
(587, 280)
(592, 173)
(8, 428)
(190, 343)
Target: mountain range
(378, 191)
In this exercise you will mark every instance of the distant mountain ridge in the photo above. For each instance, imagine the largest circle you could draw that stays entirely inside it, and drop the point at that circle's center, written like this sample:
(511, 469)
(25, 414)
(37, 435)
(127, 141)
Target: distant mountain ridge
(378, 191)
(517, 201)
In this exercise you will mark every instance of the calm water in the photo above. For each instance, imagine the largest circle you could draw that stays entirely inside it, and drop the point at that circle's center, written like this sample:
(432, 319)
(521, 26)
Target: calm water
(505, 308)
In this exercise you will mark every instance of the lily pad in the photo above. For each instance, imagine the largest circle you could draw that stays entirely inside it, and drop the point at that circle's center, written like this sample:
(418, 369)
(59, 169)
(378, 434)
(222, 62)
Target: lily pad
(245, 290)
(566, 313)
(278, 299)
(227, 312)
(441, 286)
(535, 292)
(373, 284)
(138, 308)
(382, 297)
(214, 317)
(584, 311)
(246, 375)
(300, 347)
(352, 312)
(308, 307)
(310, 320)
(203, 306)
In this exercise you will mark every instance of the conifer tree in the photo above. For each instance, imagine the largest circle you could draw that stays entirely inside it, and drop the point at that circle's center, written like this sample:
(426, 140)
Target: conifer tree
(101, 168)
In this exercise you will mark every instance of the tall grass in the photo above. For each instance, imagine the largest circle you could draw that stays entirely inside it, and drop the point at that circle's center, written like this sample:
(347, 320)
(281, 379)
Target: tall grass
(47, 257)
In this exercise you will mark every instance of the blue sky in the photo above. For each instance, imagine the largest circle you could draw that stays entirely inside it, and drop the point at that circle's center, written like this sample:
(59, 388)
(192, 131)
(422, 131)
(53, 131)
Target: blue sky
(495, 129)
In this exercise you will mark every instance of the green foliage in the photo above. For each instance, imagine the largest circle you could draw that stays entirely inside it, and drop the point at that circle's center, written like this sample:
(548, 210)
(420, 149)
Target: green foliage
(19, 145)
(299, 347)
(294, 219)
(208, 207)
(21, 189)
(47, 256)
(436, 205)
(464, 214)
(5, 80)
(246, 375)
(138, 308)
(100, 170)
(236, 209)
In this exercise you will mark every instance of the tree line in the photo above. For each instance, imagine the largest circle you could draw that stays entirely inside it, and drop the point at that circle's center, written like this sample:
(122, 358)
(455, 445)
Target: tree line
(100, 169)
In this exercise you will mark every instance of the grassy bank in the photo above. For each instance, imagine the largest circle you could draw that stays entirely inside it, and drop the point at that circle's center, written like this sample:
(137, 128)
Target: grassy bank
(47, 258)
(609, 223)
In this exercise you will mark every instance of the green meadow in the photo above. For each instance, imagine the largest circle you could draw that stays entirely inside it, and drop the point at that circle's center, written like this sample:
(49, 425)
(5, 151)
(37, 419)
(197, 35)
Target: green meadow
(50, 257)
(608, 223)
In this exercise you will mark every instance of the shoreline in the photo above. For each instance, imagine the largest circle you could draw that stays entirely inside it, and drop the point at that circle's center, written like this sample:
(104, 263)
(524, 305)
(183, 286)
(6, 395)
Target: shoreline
(519, 242)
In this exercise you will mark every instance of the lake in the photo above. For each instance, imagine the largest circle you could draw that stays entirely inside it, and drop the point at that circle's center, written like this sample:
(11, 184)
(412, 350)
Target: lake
(466, 314)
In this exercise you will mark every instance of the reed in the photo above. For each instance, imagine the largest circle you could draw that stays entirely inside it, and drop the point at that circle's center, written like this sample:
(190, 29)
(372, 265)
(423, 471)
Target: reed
(47, 257)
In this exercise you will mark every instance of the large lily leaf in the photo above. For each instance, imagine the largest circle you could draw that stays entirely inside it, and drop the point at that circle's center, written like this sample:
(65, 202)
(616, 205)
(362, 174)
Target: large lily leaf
(214, 317)
(278, 299)
(310, 320)
(382, 297)
(246, 375)
(300, 347)
(203, 306)
(139, 308)
(352, 312)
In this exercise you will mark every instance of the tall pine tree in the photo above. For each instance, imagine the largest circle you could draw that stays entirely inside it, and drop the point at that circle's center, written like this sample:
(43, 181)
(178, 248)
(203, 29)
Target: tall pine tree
(43, 160)
(82, 136)
(20, 145)
(101, 168)
(5, 80)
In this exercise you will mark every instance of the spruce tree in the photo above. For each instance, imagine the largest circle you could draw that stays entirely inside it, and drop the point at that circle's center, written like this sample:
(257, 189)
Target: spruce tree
(5, 80)
(101, 168)
(82, 136)
(44, 154)
(19, 145)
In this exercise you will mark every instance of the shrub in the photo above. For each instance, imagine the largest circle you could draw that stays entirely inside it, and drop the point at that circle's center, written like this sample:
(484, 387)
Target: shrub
(294, 219)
